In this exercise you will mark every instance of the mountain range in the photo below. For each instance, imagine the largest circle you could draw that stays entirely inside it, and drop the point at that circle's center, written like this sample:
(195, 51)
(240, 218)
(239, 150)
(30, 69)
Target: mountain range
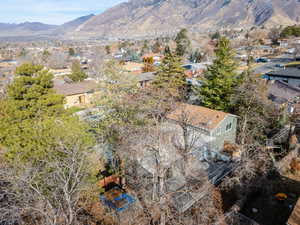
(39, 30)
(155, 17)
(137, 18)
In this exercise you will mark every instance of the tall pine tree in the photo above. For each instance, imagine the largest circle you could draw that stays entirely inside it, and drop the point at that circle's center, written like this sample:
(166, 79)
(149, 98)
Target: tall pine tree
(33, 119)
(77, 74)
(183, 43)
(170, 76)
(220, 79)
(31, 95)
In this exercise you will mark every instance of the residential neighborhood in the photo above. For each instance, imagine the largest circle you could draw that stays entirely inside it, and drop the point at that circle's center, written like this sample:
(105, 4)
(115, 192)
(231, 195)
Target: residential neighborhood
(188, 126)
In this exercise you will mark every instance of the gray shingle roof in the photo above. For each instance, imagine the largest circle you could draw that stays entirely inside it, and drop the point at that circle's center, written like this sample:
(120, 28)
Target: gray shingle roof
(281, 92)
(146, 76)
(67, 89)
(293, 72)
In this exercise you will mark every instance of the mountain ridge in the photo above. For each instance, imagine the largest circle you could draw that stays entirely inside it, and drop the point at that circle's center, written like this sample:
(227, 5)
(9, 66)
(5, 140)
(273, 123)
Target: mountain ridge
(38, 29)
(155, 17)
(144, 18)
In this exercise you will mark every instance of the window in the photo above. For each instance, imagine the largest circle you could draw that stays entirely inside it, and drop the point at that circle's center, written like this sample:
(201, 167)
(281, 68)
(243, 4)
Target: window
(228, 126)
(82, 99)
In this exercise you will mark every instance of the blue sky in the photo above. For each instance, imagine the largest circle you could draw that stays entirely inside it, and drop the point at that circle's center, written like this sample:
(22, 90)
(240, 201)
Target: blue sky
(50, 11)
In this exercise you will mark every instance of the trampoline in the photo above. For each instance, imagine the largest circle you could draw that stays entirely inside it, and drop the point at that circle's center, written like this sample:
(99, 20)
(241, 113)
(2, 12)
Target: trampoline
(117, 199)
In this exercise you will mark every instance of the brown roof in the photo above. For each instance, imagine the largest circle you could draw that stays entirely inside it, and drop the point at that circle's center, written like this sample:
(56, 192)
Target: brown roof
(198, 116)
(148, 55)
(68, 89)
(133, 66)
(295, 217)
(67, 70)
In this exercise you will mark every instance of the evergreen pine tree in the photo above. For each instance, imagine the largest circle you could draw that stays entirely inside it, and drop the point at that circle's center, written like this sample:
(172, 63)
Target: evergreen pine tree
(77, 73)
(145, 48)
(156, 47)
(183, 43)
(31, 94)
(170, 76)
(28, 69)
(220, 79)
(33, 119)
(215, 36)
(29, 101)
(71, 51)
(108, 49)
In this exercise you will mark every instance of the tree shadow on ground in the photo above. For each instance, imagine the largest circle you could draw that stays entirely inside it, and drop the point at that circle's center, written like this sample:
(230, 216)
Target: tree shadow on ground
(262, 205)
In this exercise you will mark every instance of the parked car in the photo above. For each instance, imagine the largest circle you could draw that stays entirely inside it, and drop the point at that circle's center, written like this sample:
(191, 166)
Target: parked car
(262, 60)
(279, 65)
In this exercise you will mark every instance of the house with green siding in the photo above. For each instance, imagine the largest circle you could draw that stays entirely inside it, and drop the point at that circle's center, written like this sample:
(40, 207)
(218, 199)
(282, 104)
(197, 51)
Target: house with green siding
(216, 126)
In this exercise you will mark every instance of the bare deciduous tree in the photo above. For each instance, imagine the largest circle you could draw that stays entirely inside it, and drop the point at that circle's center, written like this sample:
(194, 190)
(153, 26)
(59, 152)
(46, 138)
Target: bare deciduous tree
(51, 191)
(274, 35)
(58, 60)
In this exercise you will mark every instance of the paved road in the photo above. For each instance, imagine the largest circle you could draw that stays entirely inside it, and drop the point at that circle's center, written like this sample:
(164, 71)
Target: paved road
(269, 66)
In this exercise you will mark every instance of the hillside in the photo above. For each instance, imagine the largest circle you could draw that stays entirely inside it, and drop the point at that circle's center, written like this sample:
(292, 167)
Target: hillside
(72, 25)
(155, 17)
